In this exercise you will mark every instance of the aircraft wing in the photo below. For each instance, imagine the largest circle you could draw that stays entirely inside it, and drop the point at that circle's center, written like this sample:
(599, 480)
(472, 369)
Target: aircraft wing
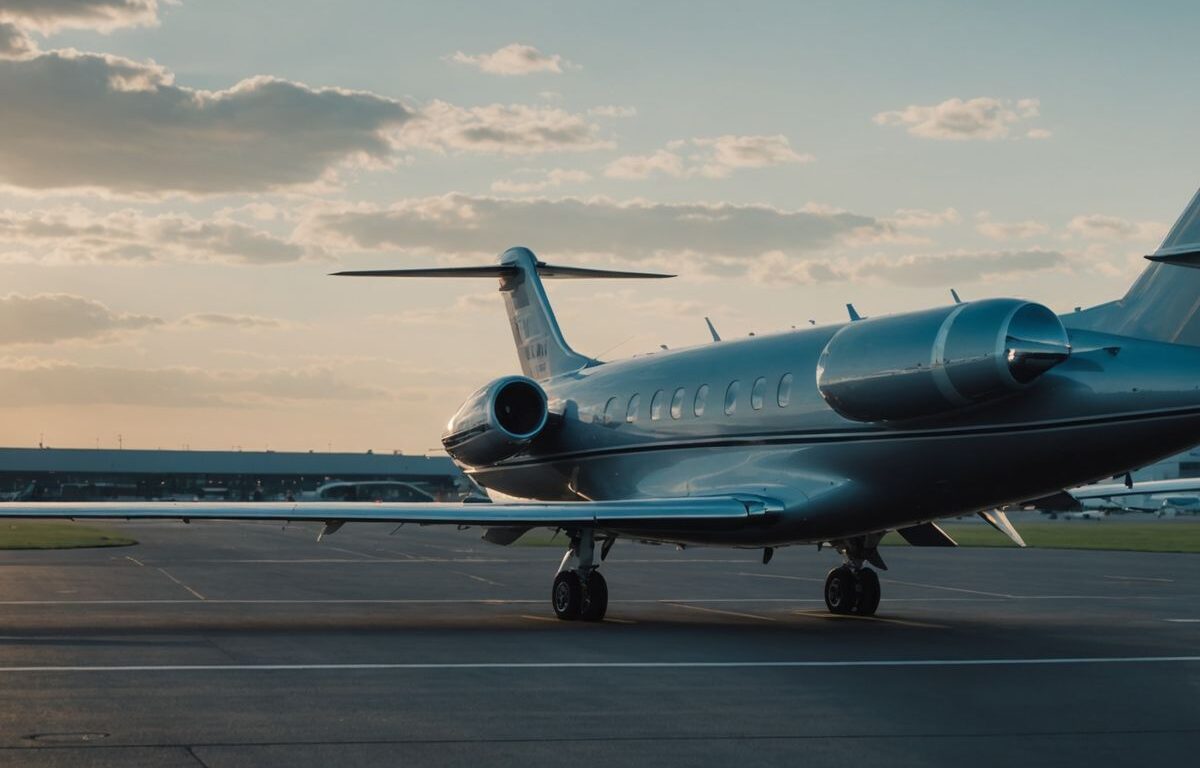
(685, 512)
(1148, 488)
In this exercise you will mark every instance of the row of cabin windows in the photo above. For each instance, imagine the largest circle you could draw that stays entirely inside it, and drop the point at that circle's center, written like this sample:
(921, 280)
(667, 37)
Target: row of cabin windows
(658, 403)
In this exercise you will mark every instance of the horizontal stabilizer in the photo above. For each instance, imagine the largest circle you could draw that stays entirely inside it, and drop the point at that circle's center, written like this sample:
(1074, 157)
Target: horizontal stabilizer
(499, 270)
(926, 535)
(1178, 258)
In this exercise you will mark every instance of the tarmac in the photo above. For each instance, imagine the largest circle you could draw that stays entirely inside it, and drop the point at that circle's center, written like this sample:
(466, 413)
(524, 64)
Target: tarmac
(227, 645)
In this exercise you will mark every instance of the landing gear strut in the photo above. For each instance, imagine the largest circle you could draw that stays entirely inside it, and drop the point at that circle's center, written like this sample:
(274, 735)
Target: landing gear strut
(852, 588)
(580, 592)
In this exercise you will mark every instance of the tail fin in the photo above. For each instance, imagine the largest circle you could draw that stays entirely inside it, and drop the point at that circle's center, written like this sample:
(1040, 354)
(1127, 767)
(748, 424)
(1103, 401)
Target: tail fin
(1164, 303)
(541, 348)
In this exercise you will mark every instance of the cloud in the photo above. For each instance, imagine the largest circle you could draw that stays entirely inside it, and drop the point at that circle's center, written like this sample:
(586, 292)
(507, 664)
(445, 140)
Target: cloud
(49, 317)
(612, 111)
(48, 16)
(553, 178)
(1009, 230)
(915, 270)
(76, 235)
(716, 236)
(15, 44)
(75, 120)
(513, 129)
(1099, 226)
(919, 218)
(714, 157)
(222, 320)
(513, 59)
(957, 120)
(32, 383)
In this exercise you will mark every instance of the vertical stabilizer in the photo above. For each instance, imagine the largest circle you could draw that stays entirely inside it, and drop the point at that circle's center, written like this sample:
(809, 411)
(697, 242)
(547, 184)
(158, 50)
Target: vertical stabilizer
(541, 348)
(1164, 303)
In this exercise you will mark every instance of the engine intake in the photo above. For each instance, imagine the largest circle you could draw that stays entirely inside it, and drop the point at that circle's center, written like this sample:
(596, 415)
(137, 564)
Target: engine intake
(938, 360)
(497, 422)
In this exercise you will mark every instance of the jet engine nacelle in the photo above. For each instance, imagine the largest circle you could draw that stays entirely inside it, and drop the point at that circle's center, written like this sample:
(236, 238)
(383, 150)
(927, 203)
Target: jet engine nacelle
(497, 421)
(938, 360)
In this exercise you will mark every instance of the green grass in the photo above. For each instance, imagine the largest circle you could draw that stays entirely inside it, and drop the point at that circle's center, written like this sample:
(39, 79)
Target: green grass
(56, 534)
(1163, 536)
(1159, 536)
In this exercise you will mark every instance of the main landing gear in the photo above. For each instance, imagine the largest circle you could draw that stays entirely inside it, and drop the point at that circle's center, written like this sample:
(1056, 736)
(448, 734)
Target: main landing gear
(852, 588)
(580, 592)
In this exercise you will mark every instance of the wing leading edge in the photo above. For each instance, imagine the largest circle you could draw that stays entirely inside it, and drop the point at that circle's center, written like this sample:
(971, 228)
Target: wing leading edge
(690, 511)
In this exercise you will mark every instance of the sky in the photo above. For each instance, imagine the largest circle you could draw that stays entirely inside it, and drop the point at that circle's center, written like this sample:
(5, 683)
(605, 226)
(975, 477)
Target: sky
(177, 179)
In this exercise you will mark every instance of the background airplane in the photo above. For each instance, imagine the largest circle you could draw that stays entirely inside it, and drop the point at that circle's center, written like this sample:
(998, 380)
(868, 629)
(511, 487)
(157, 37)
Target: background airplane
(828, 435)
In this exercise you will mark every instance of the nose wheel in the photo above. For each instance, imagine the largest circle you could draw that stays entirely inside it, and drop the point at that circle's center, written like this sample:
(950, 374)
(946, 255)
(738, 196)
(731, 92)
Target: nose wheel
(848, 591)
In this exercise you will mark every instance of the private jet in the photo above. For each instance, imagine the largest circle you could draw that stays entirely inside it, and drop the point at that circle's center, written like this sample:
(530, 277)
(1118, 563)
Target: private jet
(829, 435)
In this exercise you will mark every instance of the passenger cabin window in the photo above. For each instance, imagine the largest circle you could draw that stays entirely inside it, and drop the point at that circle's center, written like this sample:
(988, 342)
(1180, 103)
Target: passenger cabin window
(731, 397)
(656, 405)
(756, 393)
(701, 400)
(677, 404)
(785, 390)
(610, 411)
(631, 413)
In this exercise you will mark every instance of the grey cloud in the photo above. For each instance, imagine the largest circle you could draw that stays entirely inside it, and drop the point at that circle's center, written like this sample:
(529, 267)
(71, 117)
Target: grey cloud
(74, 234)
(222, 320)
(14, 43)
(50, 317)
(53, 384)
(917, 270)
(983, 118)
(87, 120)
(460, 224)
(103, 15)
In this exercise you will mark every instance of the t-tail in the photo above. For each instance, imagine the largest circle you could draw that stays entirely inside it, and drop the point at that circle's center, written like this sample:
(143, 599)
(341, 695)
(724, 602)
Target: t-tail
(1164, 303)
(542, 350)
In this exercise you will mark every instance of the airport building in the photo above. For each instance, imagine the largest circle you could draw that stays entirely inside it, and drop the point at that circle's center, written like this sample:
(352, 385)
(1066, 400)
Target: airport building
(84, 474)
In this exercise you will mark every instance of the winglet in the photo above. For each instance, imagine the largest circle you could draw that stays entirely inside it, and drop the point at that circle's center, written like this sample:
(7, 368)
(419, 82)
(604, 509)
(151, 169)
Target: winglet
(853, 313)
(716, 336)
(999, 521)
(954, 295)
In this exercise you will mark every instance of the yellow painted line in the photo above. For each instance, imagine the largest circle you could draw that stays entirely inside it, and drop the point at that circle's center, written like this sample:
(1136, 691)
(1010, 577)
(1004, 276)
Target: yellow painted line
(879, 619)
(721, 612)
(531, 617)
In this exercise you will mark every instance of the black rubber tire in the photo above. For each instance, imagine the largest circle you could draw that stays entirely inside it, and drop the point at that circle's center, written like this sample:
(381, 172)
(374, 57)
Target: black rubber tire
(567, 595)
(841, 590)
(595, 598)
(868, 592)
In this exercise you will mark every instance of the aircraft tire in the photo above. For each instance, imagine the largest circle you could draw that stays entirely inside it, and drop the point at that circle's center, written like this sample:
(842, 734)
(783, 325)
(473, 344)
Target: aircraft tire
(841, 591)
(567, 595)
(868, 594)
(595, 598)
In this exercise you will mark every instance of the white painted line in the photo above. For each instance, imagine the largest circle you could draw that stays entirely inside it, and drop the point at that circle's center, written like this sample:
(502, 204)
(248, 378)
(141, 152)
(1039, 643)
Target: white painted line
(1140, 578)
(135, 561)
(723, 613)
(479, 579)
(1183, 621)
(950, 589)
(349, 552)
(866, 663)
(781, 576)
(180, 583)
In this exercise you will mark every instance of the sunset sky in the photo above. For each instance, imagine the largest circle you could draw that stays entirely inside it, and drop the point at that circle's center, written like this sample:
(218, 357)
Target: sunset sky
(177, 179)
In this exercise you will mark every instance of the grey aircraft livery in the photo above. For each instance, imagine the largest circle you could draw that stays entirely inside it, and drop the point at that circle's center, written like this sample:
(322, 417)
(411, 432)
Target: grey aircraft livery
(825, 435)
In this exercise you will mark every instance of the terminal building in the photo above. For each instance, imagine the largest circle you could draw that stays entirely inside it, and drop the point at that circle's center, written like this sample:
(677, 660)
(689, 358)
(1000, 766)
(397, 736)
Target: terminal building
(84, 474)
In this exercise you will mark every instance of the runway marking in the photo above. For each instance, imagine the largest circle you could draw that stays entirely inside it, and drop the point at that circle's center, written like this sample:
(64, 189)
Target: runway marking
(1183, 621)
(611, 620)
(349, 552)
(952, 589)
(1140, 578)
(879, 619)
(478, 578)
(163, 571)
(531, 617)
(780, 576)
(551, 665)
(723, 613)
(135, 561)
(517, 601)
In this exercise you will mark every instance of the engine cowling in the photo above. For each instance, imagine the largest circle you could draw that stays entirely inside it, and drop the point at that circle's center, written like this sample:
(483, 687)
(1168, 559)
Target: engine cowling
(934, 361)
(496, 422)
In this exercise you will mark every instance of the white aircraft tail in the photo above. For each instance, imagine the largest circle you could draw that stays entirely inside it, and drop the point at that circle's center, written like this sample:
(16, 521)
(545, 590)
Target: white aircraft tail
(1164, 303)
(541, 348)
